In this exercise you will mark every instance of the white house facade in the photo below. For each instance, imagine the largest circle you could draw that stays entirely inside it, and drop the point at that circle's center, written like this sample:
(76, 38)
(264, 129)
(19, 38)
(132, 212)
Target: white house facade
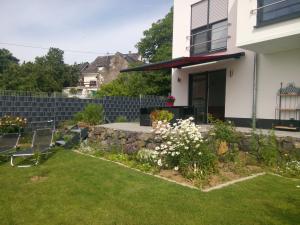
(245, 88)
(237, 60)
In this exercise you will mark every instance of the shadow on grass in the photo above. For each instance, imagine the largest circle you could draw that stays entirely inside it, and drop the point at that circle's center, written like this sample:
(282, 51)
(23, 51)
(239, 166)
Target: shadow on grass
(285, 216)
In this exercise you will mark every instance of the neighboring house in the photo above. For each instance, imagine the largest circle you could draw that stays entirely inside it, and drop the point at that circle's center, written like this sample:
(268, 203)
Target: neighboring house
(231, 56)
(101, 71)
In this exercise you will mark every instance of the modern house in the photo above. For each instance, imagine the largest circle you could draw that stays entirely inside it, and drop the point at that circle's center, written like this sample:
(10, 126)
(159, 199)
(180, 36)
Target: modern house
(230, 58)
(102, 70)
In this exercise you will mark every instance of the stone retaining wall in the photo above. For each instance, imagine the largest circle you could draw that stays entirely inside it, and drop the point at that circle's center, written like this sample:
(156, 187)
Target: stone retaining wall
(131, 141)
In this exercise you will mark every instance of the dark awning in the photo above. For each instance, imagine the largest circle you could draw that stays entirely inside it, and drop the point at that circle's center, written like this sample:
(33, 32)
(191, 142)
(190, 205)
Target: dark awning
(185, 61)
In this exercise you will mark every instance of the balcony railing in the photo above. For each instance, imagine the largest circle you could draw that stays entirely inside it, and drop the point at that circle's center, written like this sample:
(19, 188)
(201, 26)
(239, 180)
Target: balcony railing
(88, 84)
(212, 39)
(270, 11)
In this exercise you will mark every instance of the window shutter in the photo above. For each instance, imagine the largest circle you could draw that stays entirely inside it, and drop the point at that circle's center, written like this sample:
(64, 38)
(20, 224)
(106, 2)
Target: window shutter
(199, 14)
(218, 10)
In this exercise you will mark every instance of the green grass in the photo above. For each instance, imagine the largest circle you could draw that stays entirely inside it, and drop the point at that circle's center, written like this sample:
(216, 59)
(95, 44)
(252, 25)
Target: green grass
(83, 190)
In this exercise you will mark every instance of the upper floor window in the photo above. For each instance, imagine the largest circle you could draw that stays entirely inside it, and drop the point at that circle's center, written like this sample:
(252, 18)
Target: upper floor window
(209, 26)
(273, 11)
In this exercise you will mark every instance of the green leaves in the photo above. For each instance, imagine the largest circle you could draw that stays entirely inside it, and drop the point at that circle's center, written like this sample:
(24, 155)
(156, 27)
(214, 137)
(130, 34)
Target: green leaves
(48, 73)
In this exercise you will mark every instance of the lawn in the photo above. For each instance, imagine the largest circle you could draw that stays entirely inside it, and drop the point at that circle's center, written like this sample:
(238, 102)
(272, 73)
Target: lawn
(73, 189)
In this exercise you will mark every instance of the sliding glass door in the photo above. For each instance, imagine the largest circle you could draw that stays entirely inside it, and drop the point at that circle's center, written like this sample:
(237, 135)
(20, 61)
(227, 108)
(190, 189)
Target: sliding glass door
(207, 95)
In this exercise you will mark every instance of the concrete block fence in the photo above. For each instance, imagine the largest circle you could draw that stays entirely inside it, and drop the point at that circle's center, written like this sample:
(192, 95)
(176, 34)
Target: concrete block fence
(44, 108)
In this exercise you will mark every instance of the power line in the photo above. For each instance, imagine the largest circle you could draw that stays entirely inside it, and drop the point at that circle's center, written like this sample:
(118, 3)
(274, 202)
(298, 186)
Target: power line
(47, 48)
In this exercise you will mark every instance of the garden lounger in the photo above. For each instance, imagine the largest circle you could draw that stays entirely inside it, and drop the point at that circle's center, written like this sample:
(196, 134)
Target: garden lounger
(8, 142)
(41, 144)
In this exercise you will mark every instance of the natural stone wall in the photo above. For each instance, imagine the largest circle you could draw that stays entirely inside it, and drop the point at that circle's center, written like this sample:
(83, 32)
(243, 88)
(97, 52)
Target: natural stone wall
(129, 141)
(284, 143)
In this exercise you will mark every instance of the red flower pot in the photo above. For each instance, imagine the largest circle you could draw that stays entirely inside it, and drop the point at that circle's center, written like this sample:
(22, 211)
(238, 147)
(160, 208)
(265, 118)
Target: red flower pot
(170, 104)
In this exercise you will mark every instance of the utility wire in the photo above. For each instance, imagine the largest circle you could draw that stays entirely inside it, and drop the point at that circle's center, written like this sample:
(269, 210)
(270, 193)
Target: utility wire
(47, 48)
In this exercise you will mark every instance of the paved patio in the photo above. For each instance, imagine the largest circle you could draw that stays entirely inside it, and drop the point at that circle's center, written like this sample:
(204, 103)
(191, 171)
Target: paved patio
(135, 127)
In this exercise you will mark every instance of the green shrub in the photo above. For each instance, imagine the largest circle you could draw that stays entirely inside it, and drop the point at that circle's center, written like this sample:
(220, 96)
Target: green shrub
(265, 148)
(224, 139)
(92, 114)
(121, 119)
(146, 156)
(223, 130)
(161, 115)
(73, 91)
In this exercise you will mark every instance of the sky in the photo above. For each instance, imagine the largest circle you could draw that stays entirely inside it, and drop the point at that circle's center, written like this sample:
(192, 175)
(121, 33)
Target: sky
(95, 26)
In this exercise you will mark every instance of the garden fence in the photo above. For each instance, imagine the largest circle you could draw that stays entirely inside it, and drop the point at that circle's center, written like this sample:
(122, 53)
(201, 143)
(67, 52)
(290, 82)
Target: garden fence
(39, 108)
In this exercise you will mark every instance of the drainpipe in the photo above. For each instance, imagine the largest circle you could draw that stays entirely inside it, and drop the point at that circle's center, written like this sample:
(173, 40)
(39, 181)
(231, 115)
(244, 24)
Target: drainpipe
(254, 97)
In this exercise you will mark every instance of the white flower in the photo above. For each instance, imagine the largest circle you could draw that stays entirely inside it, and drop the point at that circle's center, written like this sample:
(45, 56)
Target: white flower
(157, 148)
(186, 147)
(176, 168)
(159, 163)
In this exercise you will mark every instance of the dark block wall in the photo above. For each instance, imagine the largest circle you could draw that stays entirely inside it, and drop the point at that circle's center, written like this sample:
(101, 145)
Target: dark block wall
(38, 109)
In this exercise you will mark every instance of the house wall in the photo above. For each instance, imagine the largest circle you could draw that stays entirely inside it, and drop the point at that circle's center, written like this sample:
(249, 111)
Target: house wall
(239, 76)
(277, 37)
(272, 70)
(89, 77)
(111, 73)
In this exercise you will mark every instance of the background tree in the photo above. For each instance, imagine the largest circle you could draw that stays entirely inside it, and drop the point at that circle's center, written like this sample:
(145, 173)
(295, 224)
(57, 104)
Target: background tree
(6, 59)
(48, 73)
(156, 45)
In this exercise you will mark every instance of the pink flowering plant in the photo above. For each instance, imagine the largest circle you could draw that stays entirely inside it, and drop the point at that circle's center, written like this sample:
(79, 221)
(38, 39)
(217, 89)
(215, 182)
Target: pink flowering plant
(171, 98)
(184, 149)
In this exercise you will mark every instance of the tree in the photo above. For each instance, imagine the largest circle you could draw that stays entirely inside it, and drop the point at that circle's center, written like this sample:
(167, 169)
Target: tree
(156, 45)
(48, 73)
(6, 59)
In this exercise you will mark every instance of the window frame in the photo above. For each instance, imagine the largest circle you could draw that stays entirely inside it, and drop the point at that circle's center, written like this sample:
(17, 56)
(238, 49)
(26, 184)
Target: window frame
(208, 27)
(261, 23)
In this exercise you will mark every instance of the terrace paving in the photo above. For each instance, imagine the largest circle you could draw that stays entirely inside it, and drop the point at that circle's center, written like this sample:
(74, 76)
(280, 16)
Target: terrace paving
(135, 127)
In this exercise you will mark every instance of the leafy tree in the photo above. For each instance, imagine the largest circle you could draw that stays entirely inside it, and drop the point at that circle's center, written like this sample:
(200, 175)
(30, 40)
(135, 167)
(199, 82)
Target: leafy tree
(156, 45)
(48, 73)
(6, 59)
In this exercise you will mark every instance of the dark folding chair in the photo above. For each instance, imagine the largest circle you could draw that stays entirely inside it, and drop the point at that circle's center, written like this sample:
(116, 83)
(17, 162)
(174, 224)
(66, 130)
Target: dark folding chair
(41, 144)
(9, 143)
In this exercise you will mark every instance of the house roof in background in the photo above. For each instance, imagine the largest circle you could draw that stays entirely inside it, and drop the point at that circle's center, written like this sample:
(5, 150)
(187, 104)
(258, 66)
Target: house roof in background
(104, 61)
(83, 66)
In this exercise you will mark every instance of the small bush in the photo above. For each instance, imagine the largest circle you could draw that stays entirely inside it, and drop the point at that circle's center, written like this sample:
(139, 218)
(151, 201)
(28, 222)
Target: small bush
(265, 148)
(224, 139)
(292, 169)
(161, 115)
(121, 119)
(73, 91)
(146, 156)
(92, 114)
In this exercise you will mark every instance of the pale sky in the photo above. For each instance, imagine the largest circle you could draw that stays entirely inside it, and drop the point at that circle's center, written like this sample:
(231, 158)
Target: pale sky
(99, 26)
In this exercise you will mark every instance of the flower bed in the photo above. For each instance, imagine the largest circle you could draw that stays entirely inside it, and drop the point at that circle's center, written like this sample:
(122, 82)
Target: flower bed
(180, 152)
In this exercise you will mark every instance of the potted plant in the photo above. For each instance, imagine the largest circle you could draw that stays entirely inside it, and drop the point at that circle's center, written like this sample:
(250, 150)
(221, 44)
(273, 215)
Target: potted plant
(170, 101)
(160, 115)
